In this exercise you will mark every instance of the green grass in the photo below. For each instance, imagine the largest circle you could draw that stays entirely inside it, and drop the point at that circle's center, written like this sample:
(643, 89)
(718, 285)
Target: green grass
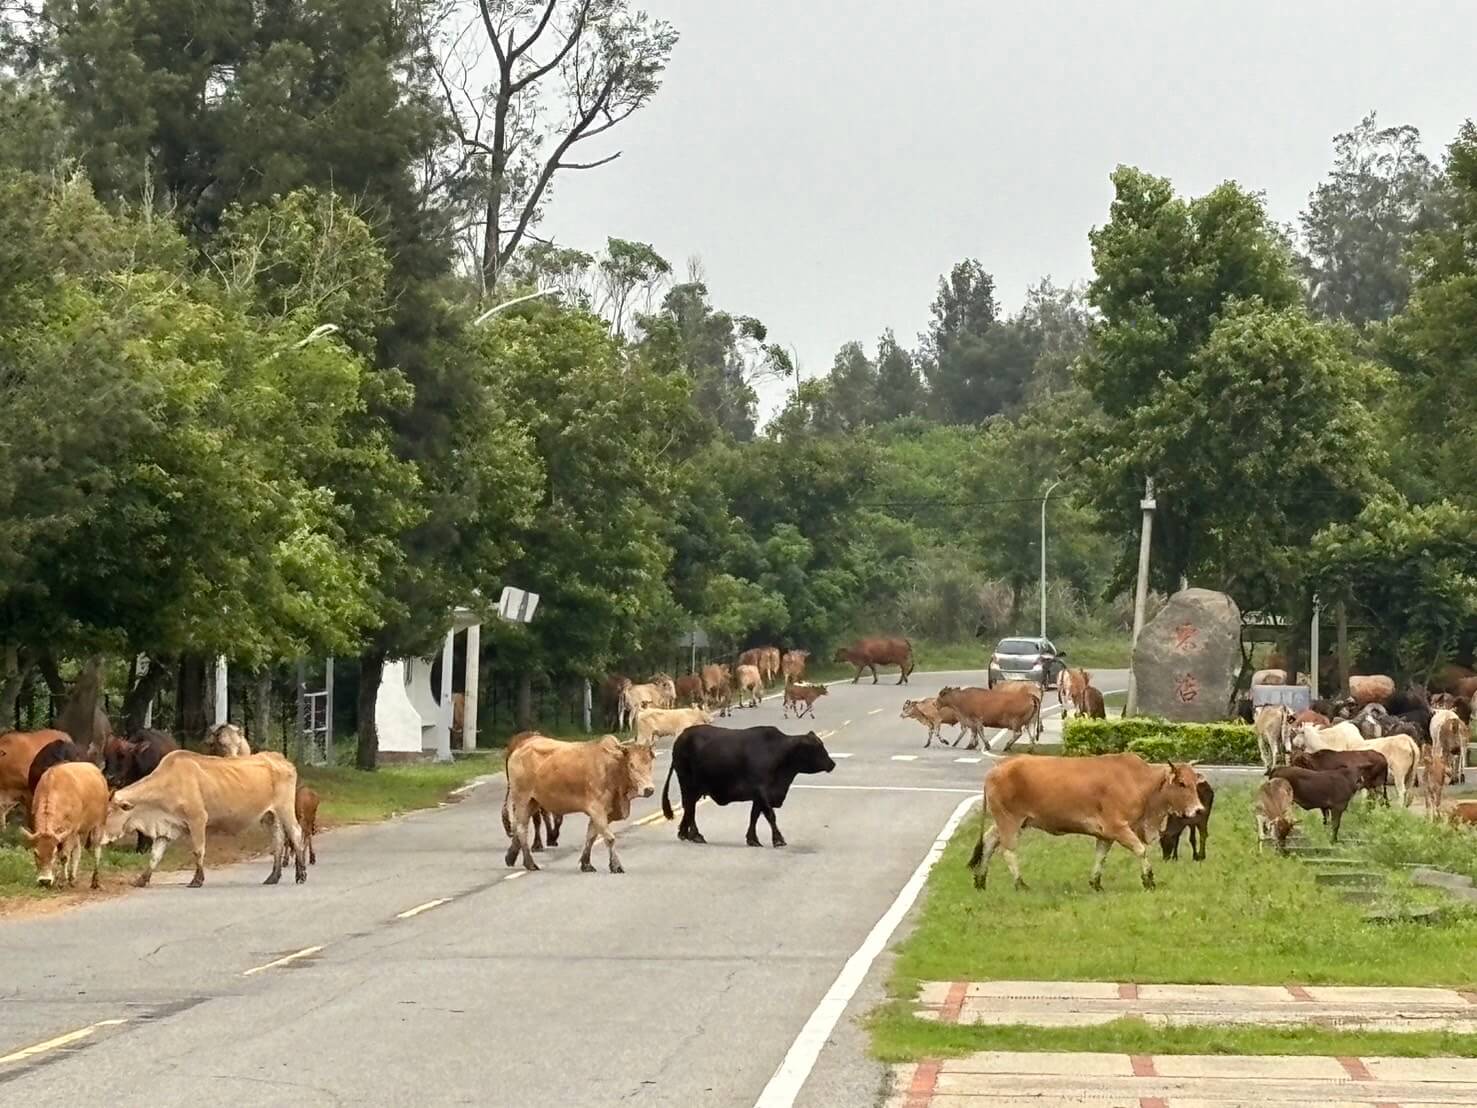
(1237, 918)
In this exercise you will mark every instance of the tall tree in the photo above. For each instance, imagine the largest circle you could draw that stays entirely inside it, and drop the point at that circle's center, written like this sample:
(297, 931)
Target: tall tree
(976, 363)
(1360, 222)
(563, 73)
(900, 390)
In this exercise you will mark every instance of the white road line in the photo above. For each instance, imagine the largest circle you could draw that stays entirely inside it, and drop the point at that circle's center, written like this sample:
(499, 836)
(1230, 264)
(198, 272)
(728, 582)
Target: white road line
(905, 757)
(293, 957)
(61, 1040)
(969, 761)
(846, 724)
(888, 789)
(800, 1059)
(426, 907)
(835, 755)
(515, 876)
(874, 711)
(825, 734)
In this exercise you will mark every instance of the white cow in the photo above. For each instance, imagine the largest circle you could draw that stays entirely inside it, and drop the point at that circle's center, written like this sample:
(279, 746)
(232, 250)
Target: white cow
(1450, 734)
(1271, 729)
(660, 692)
(652, 723)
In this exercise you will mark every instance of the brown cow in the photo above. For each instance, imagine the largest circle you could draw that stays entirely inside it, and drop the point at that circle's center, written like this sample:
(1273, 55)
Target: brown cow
(542, 821)
(796, 695)
(750, 686)
(1071, 688)
(1328, 791)
(792, 664)
(715, 682)
(1373, 769)
(690, 691)
(17, 749)
(871, 653)
(67, 813)
(1115, 798)
(1463, 813)
(771, 666)
(1433, 777)
(1094, 708)
(1015, 706)
(612, 699)
(596, 778)
(1274, 816)
(306, 806)
(1374, 689)
(190, 792)
(1449, 678)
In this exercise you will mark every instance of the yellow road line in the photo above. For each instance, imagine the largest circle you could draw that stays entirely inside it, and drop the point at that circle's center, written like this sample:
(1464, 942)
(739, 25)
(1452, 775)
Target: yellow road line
(426, 907)
(293, 957)
(61, 1040)
(654, 817)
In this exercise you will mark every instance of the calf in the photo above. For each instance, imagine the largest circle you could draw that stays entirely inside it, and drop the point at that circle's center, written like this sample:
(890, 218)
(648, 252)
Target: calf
(690, 691)
(1198, 825)
(596, 778)
(1329, 791)
(1450, 734)
(1463, 813)
(189, 792)
(1371, 766)
(792, 664)
(932, 715)
(757, 764)
(1274, 818)
(1270, 725)
(801, 698)
(1092, 703)
(68, 810)
(306, 806)
(53, 753)
(1115, 798)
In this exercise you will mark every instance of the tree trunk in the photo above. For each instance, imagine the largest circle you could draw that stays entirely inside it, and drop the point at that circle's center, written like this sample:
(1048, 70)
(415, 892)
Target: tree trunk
(190, 721)
(81, 717)
(52, 675)
(142, 692)
(1297, 632)
(525, 701)
(17, 668)
(371, 668)
(260, 734)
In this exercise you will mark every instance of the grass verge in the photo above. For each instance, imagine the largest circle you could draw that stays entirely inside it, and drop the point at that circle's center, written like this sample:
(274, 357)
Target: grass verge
(1240, 917)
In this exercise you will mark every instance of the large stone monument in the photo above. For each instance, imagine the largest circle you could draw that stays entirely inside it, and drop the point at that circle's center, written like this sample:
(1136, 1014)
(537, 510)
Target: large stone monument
(1187, 657)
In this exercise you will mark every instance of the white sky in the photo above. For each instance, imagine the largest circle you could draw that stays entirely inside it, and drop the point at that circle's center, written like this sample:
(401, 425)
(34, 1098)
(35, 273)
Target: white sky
(828, 159)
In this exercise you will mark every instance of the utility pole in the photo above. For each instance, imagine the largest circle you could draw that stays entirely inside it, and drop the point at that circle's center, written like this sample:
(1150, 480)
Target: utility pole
(1141, 594)
(1045, 496)
(1341, 614)
(1312, 651)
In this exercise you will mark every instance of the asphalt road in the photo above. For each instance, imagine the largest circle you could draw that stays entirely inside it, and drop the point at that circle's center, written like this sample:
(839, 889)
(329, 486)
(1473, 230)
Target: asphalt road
(415, 968)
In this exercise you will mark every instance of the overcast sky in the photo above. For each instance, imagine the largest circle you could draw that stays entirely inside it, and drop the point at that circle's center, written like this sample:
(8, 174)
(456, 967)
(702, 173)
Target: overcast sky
(828, 159)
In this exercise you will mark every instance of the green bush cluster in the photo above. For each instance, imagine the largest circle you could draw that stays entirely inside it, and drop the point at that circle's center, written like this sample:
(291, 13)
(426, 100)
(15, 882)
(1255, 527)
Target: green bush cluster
(1159, 740)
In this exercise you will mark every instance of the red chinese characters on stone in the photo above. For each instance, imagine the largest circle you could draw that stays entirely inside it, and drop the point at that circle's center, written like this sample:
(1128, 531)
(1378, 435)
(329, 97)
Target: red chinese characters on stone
(1187, 638)
(1187, 688)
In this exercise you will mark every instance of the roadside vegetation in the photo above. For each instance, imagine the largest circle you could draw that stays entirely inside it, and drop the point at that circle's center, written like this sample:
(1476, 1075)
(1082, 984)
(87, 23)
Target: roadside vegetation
(1239, 917)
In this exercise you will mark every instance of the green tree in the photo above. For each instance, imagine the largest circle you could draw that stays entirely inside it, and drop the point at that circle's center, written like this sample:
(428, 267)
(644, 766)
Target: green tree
(900, 390)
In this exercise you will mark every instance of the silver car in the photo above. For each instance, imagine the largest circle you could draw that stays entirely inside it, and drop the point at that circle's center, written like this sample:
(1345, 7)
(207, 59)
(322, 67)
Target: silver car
(1026, 660)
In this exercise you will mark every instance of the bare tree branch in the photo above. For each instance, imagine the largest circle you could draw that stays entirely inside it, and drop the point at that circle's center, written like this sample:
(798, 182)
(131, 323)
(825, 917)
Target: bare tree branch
(589, 165)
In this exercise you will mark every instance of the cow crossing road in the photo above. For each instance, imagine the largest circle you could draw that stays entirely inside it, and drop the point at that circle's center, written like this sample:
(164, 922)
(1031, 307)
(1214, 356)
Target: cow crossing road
(414, 967)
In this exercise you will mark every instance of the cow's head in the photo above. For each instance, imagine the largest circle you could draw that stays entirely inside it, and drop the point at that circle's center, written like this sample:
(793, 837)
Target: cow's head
(116, 825)
(811, 755)
(910, 710)
(117, 760)
(1182, 789)
(43, 849)
(639, 758)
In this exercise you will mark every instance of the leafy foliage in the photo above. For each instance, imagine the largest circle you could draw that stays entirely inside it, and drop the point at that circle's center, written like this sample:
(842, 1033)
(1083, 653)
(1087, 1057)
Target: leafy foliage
(1158, 740)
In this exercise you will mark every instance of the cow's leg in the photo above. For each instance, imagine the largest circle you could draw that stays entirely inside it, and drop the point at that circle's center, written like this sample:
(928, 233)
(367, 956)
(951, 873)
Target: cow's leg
(74, 860)
(298, 841)
(279, 850)
(590, 835)
(1338, 815)
(538, 828)
(520, 817)
(1100, 854)
(158, 845)
(775, 838)
(873, 667)
(97, 857)
(1198, 834)
(858, 676)
(1015, 737)
(552, 824)
(752, 837)
(197, 846)
(981, 865)
(687, 828)
(1124, 835)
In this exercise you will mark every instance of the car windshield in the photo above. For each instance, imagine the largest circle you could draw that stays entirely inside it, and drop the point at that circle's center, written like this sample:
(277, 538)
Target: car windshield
(1018, 646)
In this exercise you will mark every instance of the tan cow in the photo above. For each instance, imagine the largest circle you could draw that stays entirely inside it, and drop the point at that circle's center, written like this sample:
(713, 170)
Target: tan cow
(17, 749)
(596, 778)
(1071, 689)
(933, 716)
(654, 723)
(750, 685)
(792, 664)
(1275, 818)
(1450, 734)
(189, 793)
(1271, 726)
(715, 677)
(1014, 705)
(67, 813)
(771, 665)
(659, 692)
(870, 653)
(1433, 778)
(1115, 798)
(227, 741)
(1374, 689)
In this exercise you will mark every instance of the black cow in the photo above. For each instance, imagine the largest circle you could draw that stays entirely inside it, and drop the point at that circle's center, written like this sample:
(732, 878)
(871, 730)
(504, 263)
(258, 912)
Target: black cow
(125, 762)
(63, 750)
(1199, 826)
(756, 764)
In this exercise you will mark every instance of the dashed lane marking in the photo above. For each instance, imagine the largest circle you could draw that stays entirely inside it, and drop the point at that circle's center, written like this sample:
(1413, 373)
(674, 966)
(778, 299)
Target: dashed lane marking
(835, 755)
(874, 711)
(60, 1041)
(905, 757)
(825, 734)
(409, 913)
(846, 724)
(284, 960)
(969, 761)
(515, 876)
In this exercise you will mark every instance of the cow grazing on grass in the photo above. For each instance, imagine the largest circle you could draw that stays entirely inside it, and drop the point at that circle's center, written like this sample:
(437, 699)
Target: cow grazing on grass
(1015, 706)
(655, 723)
(189, 793)
(792, 664)
(800, 699)
(227, 741)
(757, 764)
(1463, 813)
(1450, 734)
(1401, 753)
(871, 653)
(1373, 770)
(1271, 729)
(1115, 798)
(544, 825)
(596, 778)
(1274, 816)
(128, 761)
(52, 754)
(1198, 825)
(933, 716)
(18, 749)
(67, 813)
(750, 683)
(1327, 791)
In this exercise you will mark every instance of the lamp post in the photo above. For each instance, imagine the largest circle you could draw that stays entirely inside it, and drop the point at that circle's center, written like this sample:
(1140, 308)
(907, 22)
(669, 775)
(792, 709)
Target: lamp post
(1045, 496)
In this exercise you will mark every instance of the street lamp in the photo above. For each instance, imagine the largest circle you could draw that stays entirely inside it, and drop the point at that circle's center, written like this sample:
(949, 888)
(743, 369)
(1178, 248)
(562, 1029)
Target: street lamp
(1045, 496)
(492, 311)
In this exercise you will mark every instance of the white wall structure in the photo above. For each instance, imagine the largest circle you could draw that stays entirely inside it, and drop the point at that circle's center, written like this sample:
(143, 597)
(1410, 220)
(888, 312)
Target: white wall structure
(222, 693)
(395, 719)
(423, 700)
(433, 709)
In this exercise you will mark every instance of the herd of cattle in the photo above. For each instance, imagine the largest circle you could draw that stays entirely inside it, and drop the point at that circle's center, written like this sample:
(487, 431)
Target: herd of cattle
(85, 798)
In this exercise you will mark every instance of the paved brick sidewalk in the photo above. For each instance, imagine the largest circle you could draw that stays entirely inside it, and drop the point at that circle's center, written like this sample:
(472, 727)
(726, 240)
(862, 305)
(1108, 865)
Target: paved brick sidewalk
(1006, 1080)
(1090, 1003)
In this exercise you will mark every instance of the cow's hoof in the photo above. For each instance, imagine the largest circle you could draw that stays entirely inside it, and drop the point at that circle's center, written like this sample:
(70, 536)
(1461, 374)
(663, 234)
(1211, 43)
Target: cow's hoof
(511, 856)
(1095, 884)
(96, 884)
(1149, 881)
(752, 840)
(272, 878)
(531, 867)
(537, 848)
(141, 881)
(616, 867)
(586, 867)
(779, 840)
(979, 882)
(300, 876)
(196, 881)
(1020, 886)
(696, 837)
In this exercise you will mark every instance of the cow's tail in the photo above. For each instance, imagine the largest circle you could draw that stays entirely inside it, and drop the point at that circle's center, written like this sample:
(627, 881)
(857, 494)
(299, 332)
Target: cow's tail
(507, 819)
(979, 846)
(666, 800)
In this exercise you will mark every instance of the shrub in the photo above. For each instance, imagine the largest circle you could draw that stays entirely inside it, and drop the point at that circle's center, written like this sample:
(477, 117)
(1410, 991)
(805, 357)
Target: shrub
(1159, 740)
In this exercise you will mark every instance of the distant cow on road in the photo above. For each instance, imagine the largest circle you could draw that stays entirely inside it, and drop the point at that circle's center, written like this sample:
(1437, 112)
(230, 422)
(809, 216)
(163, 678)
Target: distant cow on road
(871, 653)
(757, 764)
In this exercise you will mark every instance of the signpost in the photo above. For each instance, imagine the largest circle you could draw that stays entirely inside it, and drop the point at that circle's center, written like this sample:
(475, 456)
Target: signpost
(517, 606)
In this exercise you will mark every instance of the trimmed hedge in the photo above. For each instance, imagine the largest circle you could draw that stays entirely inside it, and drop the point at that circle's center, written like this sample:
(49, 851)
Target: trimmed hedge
(1158, 740)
